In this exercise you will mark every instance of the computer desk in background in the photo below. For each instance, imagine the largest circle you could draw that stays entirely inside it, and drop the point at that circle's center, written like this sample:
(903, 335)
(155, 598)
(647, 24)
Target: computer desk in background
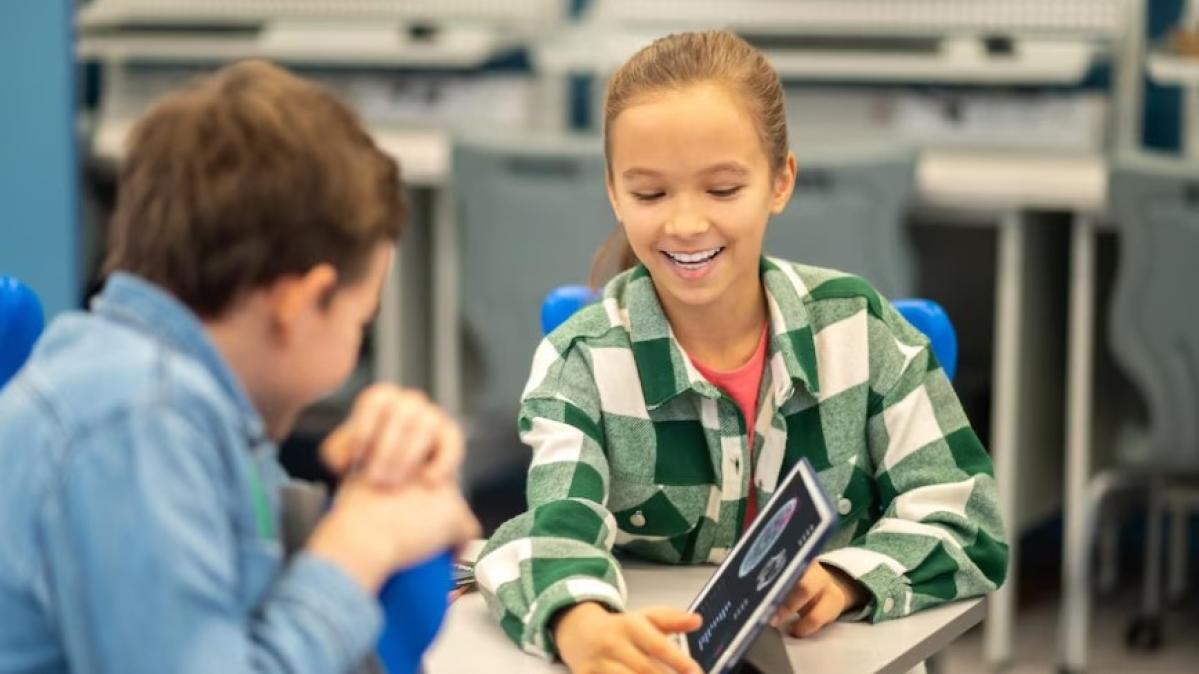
(472, 641)
(1009, 187)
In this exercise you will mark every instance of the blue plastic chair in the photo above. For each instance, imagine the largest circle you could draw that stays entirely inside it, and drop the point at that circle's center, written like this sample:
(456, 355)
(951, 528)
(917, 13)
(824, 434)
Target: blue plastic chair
(21, 323)
(930, 318)
(925, 315)
(414, 604)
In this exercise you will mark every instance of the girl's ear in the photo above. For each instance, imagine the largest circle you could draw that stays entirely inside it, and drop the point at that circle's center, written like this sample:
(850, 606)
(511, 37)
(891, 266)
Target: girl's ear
(611, 188)
(784, 185)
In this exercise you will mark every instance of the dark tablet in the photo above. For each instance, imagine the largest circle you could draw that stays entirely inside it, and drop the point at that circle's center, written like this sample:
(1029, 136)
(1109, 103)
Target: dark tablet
(746, 589)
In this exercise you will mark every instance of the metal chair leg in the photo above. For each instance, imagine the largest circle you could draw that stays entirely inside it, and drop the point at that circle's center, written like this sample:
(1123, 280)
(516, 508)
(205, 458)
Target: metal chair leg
(1176, 583)
(1145, 631)
(1109, 556)
(1076, 583)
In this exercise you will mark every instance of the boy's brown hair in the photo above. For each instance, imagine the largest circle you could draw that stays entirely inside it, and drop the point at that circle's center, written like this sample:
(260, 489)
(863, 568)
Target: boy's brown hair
(246, 176)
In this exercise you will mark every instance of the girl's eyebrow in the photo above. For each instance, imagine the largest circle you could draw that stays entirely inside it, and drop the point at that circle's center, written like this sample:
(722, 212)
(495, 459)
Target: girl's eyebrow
(727, 167)
(638, 171)
(722, 167)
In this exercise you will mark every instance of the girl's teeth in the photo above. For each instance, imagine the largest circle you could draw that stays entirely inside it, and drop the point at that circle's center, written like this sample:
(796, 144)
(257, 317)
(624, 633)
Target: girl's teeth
(694, 258)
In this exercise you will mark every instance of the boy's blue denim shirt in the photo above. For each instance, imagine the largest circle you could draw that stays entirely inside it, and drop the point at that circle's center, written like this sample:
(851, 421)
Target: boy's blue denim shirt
(131, 461)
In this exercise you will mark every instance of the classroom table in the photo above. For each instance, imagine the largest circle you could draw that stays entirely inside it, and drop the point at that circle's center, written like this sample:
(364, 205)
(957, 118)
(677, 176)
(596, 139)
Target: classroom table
(1010, 186)
(471, 640)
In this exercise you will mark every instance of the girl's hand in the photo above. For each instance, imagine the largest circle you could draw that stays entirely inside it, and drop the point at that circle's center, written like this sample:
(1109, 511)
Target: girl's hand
(820, 597)
(592, 640)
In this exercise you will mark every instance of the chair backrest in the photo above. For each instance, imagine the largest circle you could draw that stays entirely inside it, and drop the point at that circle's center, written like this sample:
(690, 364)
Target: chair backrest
(1154, 321)
(414, 607)
(930, 318)
(21, 322)
(562, 302)
(925, 315)
(849, 212)
(531, 212)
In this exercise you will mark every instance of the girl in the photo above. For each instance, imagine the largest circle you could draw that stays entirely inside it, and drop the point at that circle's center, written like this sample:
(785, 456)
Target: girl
(661, 418)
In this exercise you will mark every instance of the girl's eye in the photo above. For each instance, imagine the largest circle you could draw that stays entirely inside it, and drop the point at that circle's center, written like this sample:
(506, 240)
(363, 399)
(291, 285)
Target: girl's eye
(725, 192)
(648, 196)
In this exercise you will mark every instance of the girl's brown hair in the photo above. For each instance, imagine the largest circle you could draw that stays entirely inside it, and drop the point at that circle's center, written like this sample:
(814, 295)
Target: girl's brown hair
(676, 62)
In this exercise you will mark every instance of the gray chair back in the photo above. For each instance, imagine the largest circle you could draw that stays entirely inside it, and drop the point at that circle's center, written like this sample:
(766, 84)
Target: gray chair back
(1154, 320)
(532, 211)
(849, 212)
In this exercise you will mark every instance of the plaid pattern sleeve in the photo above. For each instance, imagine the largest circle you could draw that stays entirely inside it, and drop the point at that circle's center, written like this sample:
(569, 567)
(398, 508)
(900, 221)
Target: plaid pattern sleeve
(558, 553)
(939, 536)
(633, 450)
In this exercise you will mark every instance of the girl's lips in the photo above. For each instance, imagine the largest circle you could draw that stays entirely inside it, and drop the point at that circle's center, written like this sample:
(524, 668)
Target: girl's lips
(692, 271)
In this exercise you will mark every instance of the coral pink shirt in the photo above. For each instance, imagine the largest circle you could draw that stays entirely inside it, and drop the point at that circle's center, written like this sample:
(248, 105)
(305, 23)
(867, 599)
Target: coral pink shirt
(741, 385)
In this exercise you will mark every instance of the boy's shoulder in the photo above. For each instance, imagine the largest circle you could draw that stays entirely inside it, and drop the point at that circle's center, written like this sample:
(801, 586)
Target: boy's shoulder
(87, 371)
(94, 394)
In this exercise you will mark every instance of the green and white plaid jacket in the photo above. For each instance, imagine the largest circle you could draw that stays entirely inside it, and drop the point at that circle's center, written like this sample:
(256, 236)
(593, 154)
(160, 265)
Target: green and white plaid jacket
(634, 449)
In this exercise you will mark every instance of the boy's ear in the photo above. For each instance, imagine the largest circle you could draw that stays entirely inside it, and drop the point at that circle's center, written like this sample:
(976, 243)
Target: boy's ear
(293, 296)
(783, 185)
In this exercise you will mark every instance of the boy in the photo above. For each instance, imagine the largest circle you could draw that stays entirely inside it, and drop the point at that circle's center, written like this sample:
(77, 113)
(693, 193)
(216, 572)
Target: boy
(139, 501)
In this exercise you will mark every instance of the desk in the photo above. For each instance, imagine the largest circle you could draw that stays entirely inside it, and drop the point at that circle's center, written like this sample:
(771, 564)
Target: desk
(1008, 186)
(471, 640)
(424, 158)
(586, 51)
(380, 44)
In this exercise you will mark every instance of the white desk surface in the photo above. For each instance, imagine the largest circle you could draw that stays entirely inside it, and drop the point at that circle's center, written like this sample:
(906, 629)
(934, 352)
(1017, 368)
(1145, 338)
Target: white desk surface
(471, 640)
(378, 44)
(601, 51)
(1168, 67)
(424, 154)
(999, 181)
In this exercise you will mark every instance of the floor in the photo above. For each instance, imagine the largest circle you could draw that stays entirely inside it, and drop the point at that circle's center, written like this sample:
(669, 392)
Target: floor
(1036, 648)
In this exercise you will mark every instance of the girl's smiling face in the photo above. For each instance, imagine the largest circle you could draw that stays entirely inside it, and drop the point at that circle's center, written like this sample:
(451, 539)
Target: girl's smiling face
(690, 181)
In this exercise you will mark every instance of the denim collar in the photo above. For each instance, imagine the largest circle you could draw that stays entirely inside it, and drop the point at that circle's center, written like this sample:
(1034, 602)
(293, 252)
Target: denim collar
(149, 309)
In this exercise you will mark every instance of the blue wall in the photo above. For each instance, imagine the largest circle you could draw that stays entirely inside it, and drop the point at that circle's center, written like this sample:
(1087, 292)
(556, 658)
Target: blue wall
(39, 212)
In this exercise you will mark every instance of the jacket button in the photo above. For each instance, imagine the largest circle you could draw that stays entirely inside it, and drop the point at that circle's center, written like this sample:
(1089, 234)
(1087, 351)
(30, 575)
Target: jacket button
(844, 506)
(888, 604)
(638, 519)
